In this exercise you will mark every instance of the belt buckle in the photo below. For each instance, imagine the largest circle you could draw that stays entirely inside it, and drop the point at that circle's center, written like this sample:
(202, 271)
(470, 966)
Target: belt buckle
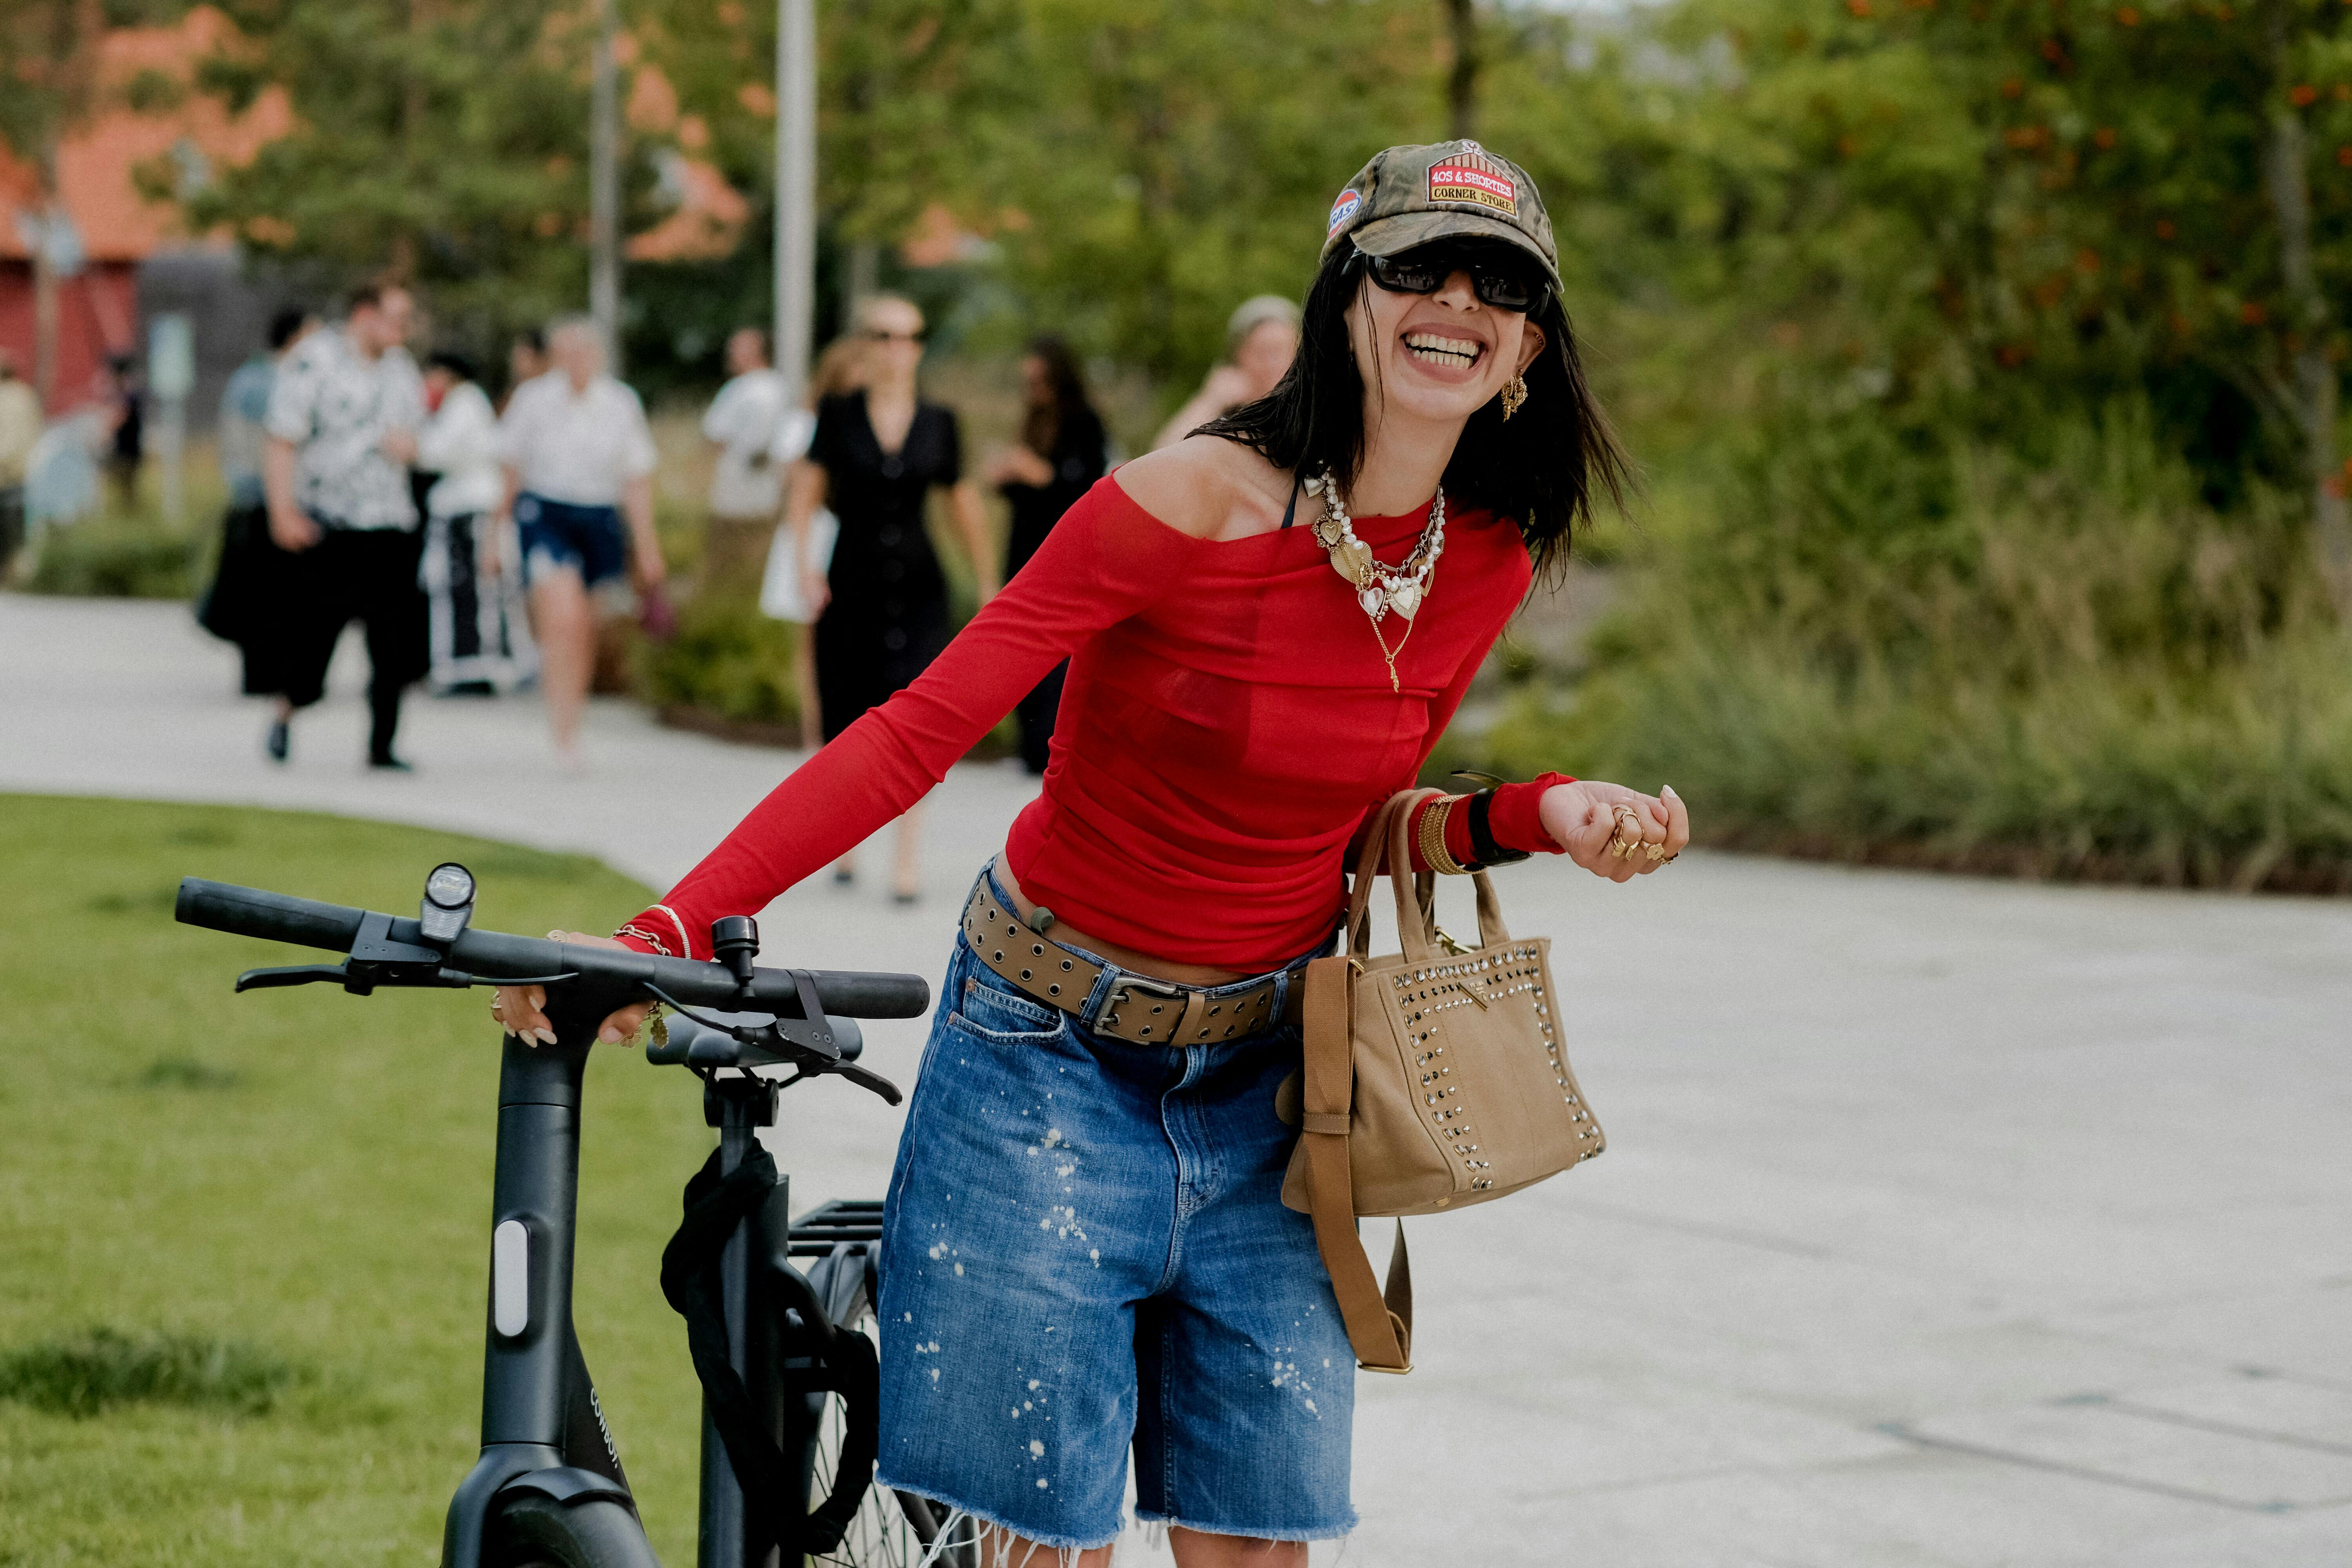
(1126, 980)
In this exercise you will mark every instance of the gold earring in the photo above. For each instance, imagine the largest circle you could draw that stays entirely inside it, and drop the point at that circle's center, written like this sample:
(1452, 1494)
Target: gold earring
(1515, 393)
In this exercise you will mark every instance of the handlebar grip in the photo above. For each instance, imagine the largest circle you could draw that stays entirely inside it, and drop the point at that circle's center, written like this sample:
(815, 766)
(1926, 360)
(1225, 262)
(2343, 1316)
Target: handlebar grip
(275, 917)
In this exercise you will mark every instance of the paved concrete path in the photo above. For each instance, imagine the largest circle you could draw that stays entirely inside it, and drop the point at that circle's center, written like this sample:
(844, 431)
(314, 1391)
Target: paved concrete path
(1946, 1223)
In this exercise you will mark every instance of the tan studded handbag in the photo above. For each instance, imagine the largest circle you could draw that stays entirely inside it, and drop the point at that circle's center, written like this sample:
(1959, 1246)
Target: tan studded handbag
(1434, 1078)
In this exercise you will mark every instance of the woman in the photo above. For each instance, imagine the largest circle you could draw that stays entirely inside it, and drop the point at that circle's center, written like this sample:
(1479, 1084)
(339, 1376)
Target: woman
(1085, 1242)
(579, 463)
(881, 605)
(472, 615)
(1261, 339)
(255, 579)
(1060, 456)
(840, 370)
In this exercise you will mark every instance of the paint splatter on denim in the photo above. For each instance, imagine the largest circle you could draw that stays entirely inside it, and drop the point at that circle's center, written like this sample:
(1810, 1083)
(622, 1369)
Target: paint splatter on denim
(1086, 1246)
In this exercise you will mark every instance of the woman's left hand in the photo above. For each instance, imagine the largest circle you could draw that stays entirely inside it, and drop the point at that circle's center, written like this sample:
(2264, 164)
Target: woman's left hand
(1583, 818)
(520, 1009)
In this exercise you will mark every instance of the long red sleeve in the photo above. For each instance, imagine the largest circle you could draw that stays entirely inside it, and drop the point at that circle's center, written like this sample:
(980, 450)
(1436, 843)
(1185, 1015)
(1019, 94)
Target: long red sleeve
(1227, 716)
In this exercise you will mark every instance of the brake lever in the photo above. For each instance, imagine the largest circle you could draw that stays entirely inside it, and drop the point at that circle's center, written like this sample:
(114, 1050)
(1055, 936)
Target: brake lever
(872, 1081)
(296, 974)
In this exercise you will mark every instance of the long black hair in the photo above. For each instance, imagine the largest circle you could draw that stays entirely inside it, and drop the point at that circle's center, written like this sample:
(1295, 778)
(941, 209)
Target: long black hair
(1066, 409)
(1542, 470)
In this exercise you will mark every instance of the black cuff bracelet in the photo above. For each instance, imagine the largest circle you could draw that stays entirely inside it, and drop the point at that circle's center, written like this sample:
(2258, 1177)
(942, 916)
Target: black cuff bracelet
(1482, 834)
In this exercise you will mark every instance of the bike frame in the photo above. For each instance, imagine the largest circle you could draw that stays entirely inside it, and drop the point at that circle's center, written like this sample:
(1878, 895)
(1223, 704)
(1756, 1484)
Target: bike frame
(542, 1428)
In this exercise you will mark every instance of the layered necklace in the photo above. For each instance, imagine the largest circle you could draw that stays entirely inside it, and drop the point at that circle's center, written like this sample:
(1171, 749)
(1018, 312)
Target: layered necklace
(1379, 589)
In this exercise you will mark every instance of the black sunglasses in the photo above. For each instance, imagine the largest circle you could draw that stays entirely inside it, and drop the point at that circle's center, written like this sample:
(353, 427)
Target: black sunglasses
(1497, 277)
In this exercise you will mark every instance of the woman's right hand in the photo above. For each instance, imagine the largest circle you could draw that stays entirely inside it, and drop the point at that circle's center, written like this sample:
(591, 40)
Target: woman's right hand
(521, 1009)
(291, 530)
(816, 593)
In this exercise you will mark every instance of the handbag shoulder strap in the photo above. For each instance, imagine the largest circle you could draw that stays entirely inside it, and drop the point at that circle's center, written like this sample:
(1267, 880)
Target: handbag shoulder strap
(1379, 1323)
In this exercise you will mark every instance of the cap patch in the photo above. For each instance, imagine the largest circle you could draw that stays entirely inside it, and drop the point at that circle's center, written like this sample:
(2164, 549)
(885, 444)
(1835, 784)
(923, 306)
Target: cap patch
(1342, 210)
(1472, 179)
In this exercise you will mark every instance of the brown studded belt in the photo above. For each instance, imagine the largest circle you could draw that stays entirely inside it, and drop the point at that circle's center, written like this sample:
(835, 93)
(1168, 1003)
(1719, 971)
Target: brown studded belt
(1135, 1007)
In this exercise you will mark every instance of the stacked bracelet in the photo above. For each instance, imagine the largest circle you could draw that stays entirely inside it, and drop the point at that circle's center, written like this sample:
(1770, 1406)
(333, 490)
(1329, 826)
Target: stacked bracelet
(1433, 853)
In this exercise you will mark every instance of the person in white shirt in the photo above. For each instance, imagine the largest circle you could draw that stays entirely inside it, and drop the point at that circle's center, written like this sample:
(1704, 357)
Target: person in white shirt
(342, 421)
(472, 594)
(579, 461)
(746, 486)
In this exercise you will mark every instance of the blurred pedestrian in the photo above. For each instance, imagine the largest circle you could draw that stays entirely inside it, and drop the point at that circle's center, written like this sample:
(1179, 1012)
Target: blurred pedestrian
(255, 580)
(343, 417)
(579, 464)
(473, 615)
(882, 605)
(746, 491)
(1261, 339)
(840, 370)
(127, 449)
(1060, 455)
(525, 361)
(20, 428)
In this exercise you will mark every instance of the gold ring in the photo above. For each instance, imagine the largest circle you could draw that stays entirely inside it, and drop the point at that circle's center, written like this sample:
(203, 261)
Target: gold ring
(1656, 851)
(1620, 840)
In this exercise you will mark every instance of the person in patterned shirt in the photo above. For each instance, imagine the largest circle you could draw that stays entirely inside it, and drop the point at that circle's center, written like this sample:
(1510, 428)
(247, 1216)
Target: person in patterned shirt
(343, 425)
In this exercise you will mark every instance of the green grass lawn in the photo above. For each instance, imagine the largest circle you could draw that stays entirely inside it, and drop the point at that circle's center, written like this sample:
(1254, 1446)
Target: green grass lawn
(265, 1216)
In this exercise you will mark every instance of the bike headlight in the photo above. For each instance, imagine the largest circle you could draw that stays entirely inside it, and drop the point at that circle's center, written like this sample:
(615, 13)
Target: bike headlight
(449, 902)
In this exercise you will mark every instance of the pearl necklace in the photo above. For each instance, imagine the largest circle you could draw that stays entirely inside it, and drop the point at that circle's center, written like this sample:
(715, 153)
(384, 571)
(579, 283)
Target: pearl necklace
(1379, 588)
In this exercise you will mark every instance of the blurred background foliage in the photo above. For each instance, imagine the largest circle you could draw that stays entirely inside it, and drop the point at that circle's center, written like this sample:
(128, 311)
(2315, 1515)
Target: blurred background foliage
(1983, 356)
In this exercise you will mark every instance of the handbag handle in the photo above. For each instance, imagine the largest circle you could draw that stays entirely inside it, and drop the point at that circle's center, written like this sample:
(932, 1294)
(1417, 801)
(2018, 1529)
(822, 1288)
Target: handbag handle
(1368, 865)
(1417, 914)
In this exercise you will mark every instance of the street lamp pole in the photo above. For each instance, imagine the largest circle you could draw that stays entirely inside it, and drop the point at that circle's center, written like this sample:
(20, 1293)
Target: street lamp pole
(795, 191)
(604, 188)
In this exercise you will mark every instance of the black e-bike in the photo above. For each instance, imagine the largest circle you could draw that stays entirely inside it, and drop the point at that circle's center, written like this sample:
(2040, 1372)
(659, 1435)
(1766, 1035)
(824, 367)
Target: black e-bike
(779, 1312)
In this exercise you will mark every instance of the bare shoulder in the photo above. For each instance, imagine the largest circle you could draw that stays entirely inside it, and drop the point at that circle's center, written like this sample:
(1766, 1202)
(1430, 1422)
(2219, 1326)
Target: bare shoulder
(1208, 487)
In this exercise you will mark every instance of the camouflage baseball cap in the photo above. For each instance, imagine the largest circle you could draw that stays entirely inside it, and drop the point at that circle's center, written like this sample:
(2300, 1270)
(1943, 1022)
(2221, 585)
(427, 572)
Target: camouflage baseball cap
(1451, 190)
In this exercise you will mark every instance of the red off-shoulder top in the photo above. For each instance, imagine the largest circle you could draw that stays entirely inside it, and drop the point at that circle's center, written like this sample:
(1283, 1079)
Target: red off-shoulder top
(1226, 726)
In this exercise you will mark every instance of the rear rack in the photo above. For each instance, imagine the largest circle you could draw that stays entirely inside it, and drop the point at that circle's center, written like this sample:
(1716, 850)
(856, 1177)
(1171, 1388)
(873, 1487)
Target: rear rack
(817, 1233)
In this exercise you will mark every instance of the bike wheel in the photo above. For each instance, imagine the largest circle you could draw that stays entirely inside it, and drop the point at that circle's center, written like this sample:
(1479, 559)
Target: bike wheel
(891, 1528)
(537, 1531)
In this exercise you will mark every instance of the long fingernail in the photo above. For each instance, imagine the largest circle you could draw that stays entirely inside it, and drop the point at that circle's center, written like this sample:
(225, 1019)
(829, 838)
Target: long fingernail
(546, 1037)
(1668, 789)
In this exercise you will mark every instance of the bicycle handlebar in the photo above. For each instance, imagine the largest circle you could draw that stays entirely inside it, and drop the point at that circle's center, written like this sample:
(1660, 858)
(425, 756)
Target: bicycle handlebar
(495, 955)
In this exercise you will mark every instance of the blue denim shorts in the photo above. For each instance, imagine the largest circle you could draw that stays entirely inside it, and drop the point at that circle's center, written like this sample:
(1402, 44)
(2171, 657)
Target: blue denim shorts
(1085, 1250)
(559, 536)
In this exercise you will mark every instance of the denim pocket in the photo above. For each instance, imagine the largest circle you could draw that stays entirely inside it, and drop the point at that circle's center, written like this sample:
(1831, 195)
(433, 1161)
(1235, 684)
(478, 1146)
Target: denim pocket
(987, 1008)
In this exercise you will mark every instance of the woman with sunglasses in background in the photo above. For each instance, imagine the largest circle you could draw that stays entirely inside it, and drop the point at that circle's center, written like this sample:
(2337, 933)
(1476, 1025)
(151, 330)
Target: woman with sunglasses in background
(881, 605)
(1269, 625)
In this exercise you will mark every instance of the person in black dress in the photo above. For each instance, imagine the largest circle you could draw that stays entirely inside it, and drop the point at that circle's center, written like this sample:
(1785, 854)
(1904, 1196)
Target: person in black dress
(882, 604)
(1060, 456)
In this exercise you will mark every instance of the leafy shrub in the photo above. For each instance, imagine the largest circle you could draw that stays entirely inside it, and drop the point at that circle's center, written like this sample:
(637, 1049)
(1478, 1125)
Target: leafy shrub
(727, 660)
(82, 1375)
(2075, 670)
(106, 559)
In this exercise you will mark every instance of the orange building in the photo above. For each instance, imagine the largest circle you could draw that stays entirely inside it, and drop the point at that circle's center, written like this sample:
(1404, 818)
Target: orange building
(117, 227)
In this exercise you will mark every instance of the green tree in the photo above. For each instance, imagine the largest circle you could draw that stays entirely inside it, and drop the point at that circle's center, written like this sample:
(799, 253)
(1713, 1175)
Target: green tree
(442, 143)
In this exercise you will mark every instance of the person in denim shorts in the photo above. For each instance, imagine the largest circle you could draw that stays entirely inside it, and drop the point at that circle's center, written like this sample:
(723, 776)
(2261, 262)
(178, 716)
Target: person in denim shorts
(1085, 1258)
(579, 462)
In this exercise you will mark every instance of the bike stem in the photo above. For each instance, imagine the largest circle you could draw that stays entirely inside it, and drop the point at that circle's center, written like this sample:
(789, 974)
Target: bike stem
(738, 1108)
(537, 1185)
